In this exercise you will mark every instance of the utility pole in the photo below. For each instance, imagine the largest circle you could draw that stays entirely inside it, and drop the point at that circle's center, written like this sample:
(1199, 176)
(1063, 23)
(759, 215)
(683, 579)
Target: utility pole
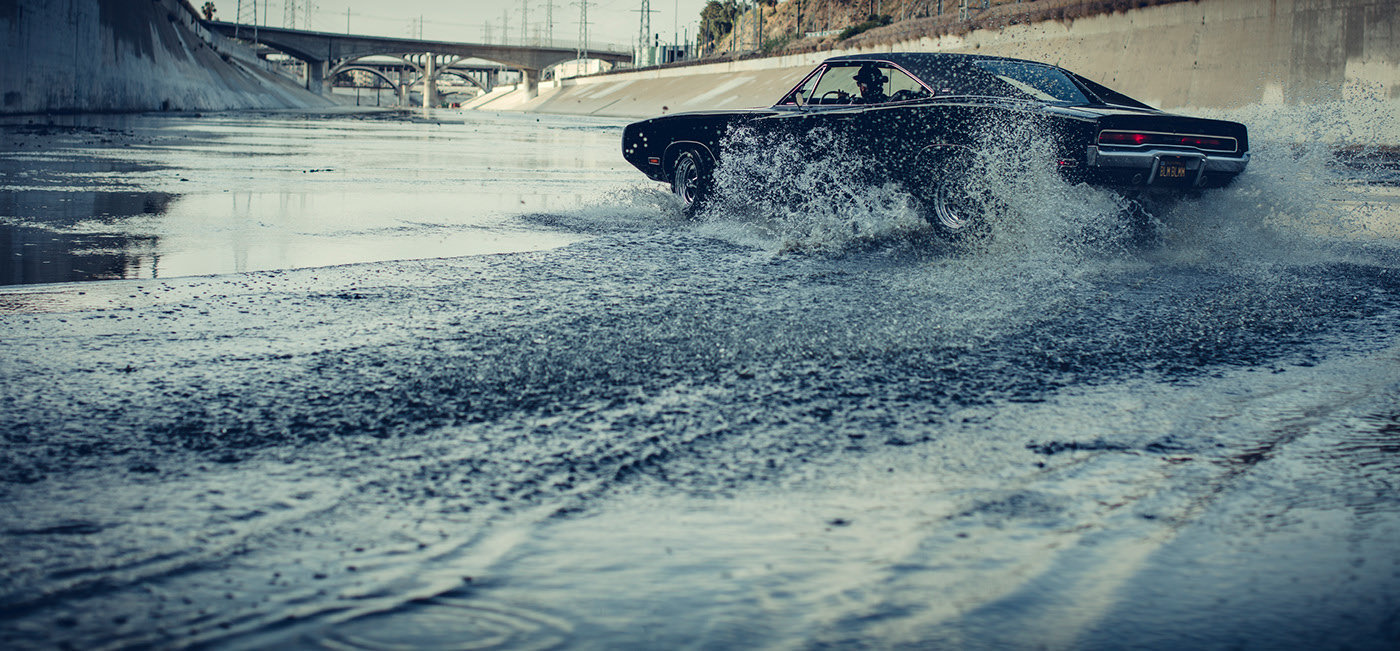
(757, 26)
(347, 21)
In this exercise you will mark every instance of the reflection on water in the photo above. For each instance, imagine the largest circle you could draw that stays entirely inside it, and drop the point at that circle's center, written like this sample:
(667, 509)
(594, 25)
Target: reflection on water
(45, 243)
(97, 197)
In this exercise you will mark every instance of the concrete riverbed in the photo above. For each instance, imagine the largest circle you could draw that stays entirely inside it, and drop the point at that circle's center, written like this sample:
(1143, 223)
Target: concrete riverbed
(465, 379)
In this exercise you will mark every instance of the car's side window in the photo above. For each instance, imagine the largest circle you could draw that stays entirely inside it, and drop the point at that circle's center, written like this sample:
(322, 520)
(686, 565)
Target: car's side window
(902, 87)
(837, 86)
(803, 93)
(865, 83)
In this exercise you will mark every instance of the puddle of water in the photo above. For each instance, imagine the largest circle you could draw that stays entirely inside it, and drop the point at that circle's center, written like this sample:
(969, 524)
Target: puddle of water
(162, 197)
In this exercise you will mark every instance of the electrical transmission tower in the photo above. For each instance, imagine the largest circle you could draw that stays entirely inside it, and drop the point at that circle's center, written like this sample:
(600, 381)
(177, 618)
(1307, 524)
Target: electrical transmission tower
(246, 12)
(644, 31)
(549, 23)
(524, 22)
(582, 48)
(289, 14)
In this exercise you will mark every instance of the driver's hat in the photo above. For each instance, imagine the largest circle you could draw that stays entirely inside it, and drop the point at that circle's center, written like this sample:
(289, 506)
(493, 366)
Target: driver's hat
(869, 74)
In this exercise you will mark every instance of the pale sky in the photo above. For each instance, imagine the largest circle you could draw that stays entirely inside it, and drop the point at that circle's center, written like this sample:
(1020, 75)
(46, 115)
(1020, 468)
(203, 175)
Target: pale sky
(610, 21)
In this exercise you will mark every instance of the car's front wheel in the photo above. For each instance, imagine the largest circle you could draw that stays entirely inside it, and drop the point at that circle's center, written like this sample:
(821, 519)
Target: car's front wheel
(691, 180)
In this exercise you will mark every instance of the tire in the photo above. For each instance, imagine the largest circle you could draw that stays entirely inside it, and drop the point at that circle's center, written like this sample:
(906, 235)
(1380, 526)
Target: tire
(692, 180)
(955, 206)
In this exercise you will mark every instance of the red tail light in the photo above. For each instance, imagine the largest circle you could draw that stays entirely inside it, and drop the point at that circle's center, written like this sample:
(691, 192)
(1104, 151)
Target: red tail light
(1203, 142)
(1140, 138)
(1123, 138)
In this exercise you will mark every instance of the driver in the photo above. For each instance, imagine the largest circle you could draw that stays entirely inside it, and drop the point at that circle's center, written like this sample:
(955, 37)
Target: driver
(872, 85)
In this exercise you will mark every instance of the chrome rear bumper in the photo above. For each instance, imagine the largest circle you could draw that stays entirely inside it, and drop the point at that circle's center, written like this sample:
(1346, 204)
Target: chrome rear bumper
(1148, 162)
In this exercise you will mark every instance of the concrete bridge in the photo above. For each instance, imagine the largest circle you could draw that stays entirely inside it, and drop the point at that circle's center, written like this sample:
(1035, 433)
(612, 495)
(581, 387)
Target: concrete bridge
(402, 73)
(327, 54)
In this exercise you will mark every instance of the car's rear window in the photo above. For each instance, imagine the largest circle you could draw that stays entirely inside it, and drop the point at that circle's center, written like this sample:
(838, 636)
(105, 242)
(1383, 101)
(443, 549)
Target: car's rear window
(1039, 82)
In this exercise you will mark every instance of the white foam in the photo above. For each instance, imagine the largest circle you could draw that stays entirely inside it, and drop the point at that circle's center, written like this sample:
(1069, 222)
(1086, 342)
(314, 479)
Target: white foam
(785, 194)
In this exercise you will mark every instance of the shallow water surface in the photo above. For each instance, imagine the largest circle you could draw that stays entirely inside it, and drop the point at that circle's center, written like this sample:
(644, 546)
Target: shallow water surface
(776, 425)
(150, 196)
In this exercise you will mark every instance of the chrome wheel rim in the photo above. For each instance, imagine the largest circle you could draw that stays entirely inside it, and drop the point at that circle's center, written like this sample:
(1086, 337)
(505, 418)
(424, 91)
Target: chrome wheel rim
(950, 214)
(687, 179)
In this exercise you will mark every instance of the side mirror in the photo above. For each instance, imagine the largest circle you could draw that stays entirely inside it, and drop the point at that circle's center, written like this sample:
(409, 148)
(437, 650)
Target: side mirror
(797, 96)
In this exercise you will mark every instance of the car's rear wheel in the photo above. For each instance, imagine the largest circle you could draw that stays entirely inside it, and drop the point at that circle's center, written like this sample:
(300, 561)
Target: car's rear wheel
(691, 180)
(954, 204)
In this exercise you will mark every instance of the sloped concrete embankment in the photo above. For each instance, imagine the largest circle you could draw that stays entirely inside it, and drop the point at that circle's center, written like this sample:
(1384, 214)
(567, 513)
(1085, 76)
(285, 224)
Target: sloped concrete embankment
(129, 55)
(1208, 54)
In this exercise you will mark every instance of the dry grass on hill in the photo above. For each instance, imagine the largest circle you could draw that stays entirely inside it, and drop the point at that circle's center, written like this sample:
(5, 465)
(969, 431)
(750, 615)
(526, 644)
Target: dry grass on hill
(912, 19)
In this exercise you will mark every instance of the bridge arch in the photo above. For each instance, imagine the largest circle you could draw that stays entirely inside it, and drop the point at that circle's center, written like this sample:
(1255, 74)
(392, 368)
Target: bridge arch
(360, 61)
(394, 84)
(465, 76)
(440, 67)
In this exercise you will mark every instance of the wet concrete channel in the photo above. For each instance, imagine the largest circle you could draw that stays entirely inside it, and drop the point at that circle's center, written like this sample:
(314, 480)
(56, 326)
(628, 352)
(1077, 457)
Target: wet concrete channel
(467, 380)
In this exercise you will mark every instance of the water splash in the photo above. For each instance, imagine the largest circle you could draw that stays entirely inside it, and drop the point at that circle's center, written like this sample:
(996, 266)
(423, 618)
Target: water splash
(619, 209)
(1298, 200)
(1036, 212)
(804, 194)
(1296, 204)
(809, 193)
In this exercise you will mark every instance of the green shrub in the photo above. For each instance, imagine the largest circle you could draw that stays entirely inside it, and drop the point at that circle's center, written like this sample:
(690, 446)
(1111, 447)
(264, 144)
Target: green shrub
(871, 22)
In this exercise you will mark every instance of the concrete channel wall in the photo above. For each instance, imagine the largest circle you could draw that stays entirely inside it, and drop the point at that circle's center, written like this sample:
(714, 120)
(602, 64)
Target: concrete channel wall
(128, 55)
(1206, 54)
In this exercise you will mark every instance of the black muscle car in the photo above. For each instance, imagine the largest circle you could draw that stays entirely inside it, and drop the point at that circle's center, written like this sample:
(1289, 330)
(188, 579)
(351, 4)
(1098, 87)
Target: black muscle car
(922, 119)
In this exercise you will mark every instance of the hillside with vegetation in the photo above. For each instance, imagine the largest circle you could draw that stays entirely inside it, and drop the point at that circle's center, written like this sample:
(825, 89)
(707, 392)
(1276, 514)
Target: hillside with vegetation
(730, 28)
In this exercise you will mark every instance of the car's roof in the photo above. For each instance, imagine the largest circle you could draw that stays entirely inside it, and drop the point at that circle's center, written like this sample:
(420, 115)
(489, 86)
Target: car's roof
(960, 73)
(920, 59)
(942, 71)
